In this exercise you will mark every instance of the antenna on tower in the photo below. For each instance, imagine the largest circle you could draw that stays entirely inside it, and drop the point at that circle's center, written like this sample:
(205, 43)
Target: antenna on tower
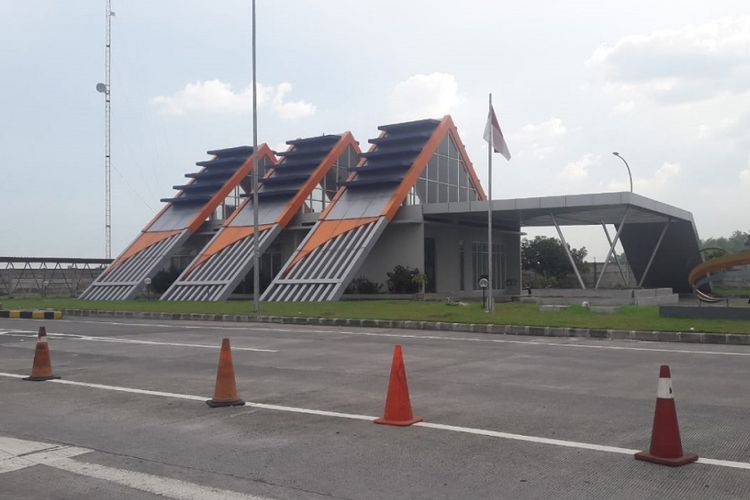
(105, 88)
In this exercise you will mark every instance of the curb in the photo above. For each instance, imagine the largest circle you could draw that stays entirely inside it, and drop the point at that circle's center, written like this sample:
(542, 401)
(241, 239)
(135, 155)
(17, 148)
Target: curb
(26, 314)
(491, 328)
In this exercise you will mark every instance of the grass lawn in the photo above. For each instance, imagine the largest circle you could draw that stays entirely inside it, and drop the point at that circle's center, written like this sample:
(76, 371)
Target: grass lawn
(731, 292)
(630, 318)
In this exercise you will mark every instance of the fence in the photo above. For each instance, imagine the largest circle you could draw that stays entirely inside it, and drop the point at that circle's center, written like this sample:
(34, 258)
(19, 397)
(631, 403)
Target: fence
(29, 276)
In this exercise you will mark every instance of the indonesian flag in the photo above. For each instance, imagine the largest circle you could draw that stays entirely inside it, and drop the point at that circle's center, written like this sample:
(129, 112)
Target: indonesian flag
(498, 141)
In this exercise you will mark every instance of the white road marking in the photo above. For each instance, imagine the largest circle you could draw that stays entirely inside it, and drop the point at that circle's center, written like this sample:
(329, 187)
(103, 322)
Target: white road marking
(21, 454)
(26, 333)
(724, 463)
(531, 439)
(573, 344)
(435, 337)
(429, 425)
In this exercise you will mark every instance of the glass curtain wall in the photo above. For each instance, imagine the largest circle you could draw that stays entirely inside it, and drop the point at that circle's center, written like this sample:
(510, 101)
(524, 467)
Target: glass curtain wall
(445, 179)
(324, 192)
(479, 264)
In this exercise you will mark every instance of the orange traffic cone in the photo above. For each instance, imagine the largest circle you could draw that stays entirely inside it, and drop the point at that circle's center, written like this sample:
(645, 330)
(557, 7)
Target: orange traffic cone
(225, 393)
(397, 404)
(42, 368)
(666, 445)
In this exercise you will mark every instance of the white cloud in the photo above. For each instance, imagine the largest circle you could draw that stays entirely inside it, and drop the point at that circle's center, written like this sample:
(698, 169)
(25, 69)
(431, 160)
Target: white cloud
(550, 128)
(680, 65)
(425, 96)
(662, 176)
(623, 107)
(579, 169)
(704, 131)
(537, 139)
(217, 97)
(745, 176)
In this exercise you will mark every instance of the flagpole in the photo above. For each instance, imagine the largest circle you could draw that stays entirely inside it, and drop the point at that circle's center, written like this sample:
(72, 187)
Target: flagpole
(490, 296)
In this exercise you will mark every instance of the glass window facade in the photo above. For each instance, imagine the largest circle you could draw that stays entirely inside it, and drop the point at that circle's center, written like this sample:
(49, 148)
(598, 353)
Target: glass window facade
(323, 193)
(233, 199)
(479, 264)
(445, 178)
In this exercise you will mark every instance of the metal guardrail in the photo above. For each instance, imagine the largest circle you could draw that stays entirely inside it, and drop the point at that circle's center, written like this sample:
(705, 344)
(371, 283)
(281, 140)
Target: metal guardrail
(48, 275)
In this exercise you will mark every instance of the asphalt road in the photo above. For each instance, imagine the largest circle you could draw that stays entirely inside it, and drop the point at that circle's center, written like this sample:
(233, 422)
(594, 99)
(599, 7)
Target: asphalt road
(505, 417)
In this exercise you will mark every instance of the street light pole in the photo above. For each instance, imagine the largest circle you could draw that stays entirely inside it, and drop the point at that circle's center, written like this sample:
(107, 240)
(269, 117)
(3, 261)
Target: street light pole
(256, 246)
(630, 176)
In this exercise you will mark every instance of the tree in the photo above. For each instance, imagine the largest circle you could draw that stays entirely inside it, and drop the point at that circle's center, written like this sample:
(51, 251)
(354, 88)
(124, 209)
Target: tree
(716, 247)
(547, 257)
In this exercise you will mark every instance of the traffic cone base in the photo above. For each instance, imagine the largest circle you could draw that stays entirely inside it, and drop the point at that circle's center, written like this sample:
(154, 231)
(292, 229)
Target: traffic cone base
(402, 423)
(397, 404)
(41, 379)
(217, 404)
(686, 458)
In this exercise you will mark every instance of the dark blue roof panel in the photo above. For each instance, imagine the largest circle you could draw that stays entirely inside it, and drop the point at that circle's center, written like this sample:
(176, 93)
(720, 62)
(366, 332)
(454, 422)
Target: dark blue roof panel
(235, 151)
(285, 179)
(418, 136)
(406, 127)
(378, 181)
(296, 166)
(394, 153)
(214, 175)
(225, 162)
(321, 139)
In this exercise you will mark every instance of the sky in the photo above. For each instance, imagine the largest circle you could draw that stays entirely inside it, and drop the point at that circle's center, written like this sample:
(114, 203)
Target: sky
(666, 84)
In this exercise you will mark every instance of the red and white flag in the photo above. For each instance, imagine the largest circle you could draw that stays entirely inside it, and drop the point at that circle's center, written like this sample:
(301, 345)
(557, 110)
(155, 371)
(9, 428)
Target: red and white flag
(498, 141)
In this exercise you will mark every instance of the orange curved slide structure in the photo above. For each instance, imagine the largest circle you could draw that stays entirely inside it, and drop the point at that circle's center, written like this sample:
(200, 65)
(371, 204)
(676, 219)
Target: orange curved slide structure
(712, 266)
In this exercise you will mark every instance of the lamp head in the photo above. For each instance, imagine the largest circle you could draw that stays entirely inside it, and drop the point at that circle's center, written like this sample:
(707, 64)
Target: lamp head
(616, 153)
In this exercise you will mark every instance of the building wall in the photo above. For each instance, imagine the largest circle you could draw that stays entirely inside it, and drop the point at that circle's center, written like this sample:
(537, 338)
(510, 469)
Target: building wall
(402, 243)
(448, 238)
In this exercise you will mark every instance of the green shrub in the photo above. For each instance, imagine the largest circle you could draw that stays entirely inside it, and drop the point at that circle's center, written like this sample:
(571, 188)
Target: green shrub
(364, 286)
(403, 280)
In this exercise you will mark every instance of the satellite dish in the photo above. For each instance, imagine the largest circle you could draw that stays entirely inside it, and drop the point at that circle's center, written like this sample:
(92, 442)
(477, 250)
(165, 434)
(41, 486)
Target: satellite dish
(101, 88)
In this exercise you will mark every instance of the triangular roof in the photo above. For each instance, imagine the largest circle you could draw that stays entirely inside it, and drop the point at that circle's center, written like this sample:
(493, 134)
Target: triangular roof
(181, 216)
(281, 196)
(363, 207)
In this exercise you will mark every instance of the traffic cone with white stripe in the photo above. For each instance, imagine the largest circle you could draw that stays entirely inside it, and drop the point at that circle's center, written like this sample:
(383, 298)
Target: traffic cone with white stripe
(666, 445)
(41, 370)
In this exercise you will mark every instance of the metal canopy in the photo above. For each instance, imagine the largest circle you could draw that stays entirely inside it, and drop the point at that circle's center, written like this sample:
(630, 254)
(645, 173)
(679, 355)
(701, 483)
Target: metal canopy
(660, 241)
(572, 210)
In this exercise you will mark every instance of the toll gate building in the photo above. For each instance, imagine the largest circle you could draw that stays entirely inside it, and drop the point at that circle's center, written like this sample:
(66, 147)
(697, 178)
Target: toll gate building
(329, 213)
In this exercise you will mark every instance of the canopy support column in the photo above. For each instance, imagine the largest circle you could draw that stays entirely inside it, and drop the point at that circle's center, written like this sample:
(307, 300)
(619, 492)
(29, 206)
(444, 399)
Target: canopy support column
(617, 259)
(567, 251)
(653, 254)
(612, 247)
